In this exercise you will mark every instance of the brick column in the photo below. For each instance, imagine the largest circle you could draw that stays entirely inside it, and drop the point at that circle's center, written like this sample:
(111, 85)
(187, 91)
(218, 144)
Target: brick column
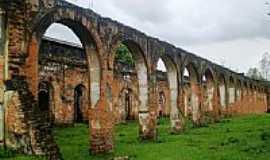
(148, 115)
(26, 128)
(101, 118)
(196, 100)
(216, 103)
(101, 131)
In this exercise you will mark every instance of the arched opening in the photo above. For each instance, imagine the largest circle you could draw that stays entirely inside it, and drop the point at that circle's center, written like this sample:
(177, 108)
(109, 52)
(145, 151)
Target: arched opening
(64, 62)
(79, 103)
(231, 91)
(126, 77)
(130, 71)
(187, 93)
(43, 100)
(128, 105)
(142, 73)
(255, 92)
(208, 90)
(252, 98)
(191, 92)
(46, 100)
(84, 47)
(162, 87)
(222, 92)
(67, 58)
(251, 90)
(161, 104)
(260, 92)
(239, 91)
(167, 80)
(245, 90)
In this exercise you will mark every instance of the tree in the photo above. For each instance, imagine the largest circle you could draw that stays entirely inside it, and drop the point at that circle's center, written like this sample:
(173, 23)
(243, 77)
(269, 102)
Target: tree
(265, 65)
(123, 55)
(254, 73)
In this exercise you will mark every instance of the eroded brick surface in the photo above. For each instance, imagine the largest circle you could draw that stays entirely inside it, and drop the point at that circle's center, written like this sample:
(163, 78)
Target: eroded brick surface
(64, 68)
(29, 129)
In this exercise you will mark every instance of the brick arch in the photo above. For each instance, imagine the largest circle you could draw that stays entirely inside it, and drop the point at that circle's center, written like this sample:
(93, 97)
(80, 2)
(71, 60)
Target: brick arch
(124, 88)
(256, 90)
(245, 88)
(252, 88)
(47, 86)
(80, 103)
(193, 70)
(222, 90)
(210, 71)
(192, 91)
(208, 89)
(256, 86)
(136, 49)
(231, 89)
(133, 111)
(173, 80)
(239, 87)
(86, 32)
(142, 69)
(81, 25)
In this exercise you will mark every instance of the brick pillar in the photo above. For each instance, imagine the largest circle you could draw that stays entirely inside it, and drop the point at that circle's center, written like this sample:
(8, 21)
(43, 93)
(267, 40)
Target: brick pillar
(176, 116)
(101, 132)
(196, 101)
(181, 103)
(177, 122)
(148, 115)
(216, 102)
(27, 129)
(101, 118)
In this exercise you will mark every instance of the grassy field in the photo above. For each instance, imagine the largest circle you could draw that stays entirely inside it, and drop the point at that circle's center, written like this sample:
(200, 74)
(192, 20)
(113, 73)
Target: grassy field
(242, 138)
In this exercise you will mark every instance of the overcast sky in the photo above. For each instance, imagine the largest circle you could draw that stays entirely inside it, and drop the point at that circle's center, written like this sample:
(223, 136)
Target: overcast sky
(231, 32)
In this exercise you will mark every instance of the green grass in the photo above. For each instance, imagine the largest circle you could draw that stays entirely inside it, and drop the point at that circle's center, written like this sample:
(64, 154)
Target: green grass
(241, 138)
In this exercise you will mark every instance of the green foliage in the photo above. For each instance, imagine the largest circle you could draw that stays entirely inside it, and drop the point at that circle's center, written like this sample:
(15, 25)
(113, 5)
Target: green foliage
(231, 139)
(124, 55)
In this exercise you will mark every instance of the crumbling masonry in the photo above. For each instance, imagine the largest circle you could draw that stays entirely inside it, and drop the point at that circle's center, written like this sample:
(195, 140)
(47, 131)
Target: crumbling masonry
(30, 75)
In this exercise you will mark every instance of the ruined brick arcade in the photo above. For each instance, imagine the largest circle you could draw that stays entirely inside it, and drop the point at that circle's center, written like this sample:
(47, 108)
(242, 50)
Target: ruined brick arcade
(197, 88)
